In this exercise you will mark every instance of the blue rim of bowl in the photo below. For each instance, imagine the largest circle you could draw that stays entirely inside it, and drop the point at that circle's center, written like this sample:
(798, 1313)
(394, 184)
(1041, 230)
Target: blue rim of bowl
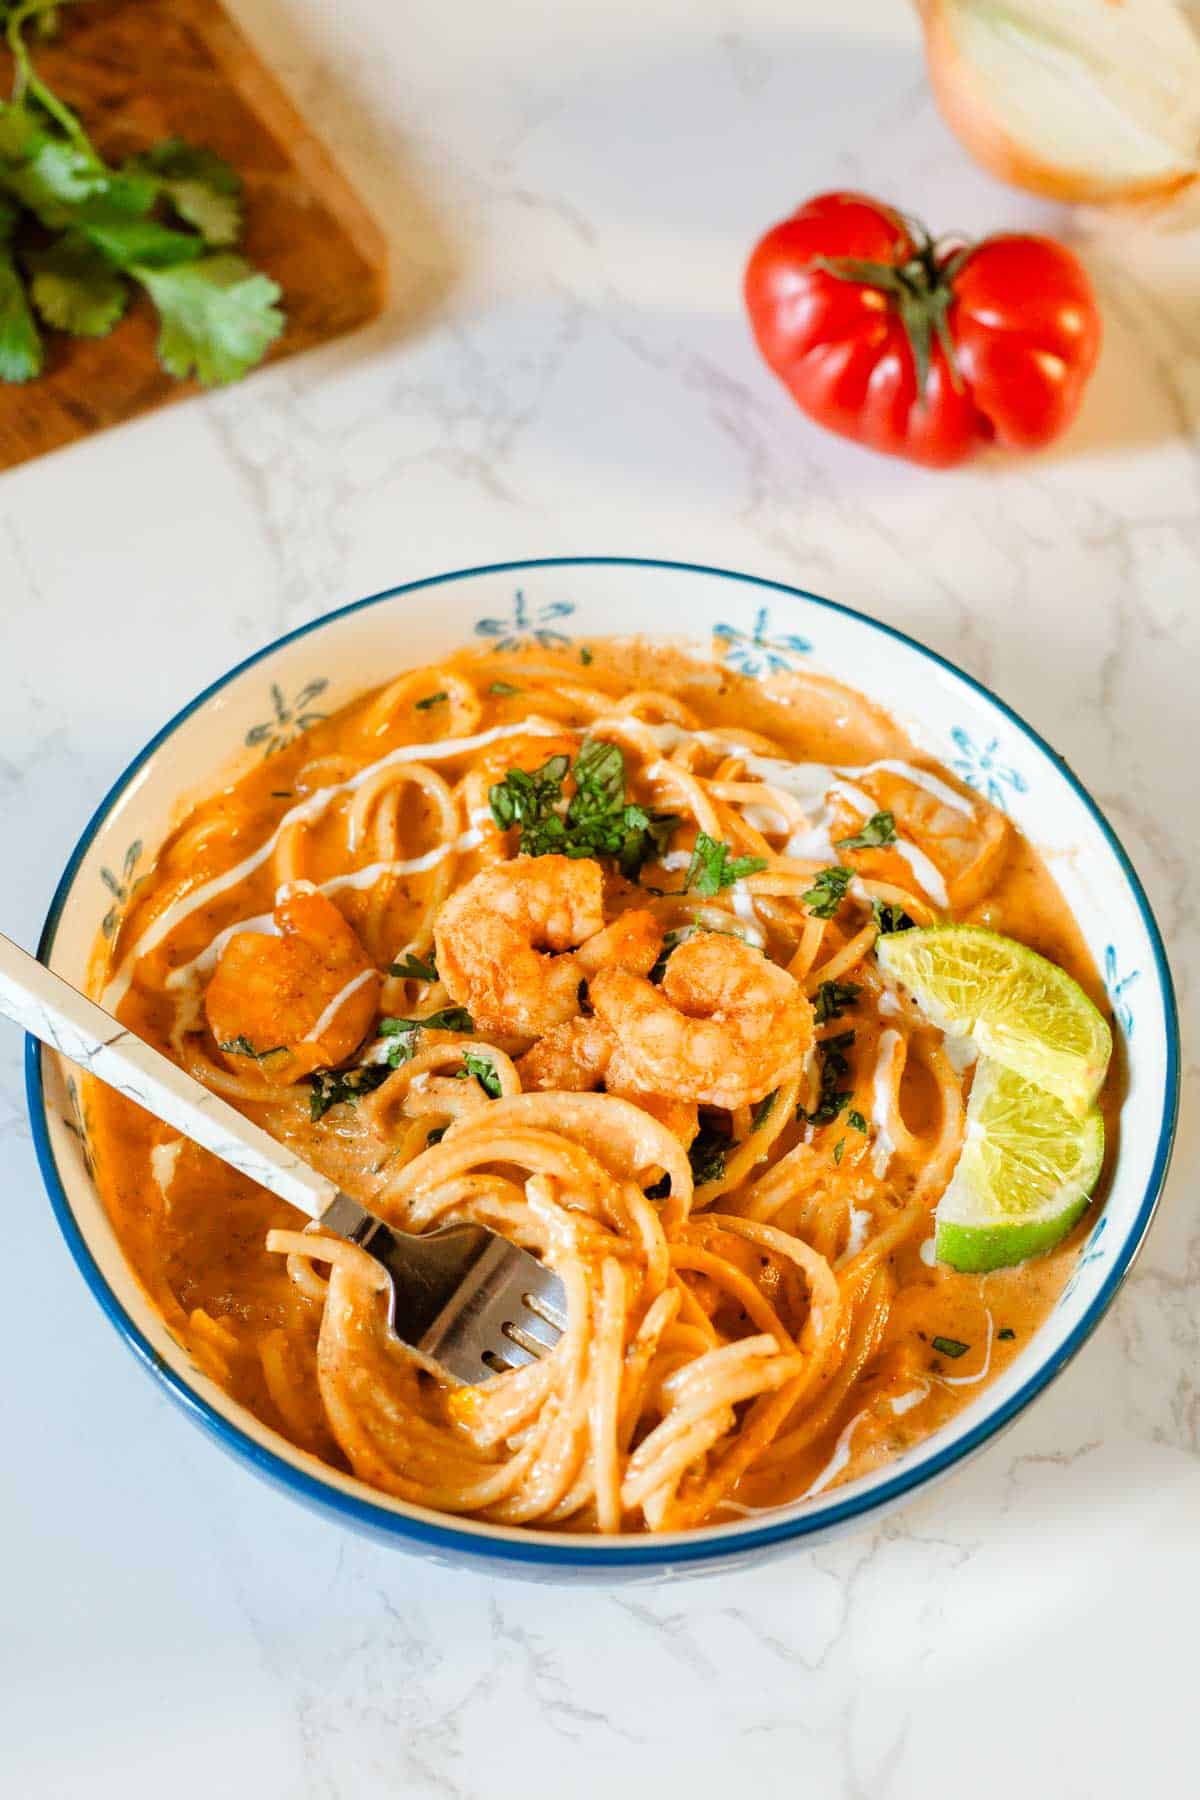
(705, 1544)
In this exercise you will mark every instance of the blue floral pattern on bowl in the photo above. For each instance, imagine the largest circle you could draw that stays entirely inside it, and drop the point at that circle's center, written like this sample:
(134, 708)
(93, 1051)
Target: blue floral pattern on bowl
(1116, 985)
(289, 717)
(1091, 1252)
(527, 625)
(981, 768)
(120, 887)
(759, 651)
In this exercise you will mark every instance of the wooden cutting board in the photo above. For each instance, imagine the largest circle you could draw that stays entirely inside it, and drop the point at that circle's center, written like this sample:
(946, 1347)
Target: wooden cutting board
(138, 71)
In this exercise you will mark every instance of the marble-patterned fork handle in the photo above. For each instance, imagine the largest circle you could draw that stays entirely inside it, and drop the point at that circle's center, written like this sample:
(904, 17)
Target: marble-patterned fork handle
(52, 1010)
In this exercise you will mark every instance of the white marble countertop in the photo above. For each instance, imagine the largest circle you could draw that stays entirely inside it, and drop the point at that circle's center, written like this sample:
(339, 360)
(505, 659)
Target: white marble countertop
(570, 193)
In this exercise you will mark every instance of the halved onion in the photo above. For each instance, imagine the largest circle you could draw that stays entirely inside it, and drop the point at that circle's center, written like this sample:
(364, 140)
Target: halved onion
(1094, 100)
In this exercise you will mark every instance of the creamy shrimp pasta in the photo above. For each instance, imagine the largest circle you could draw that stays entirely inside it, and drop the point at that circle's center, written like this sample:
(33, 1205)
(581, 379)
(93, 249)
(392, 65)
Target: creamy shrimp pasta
(580, 945)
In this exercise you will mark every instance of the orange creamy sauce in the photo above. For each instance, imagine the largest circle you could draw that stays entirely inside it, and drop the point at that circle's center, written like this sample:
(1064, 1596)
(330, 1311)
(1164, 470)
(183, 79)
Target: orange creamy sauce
(195, 1231)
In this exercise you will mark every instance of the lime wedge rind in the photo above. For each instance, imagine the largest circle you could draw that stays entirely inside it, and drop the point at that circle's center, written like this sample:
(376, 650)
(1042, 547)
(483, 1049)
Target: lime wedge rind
(1015, 1006)
(1026, 1173)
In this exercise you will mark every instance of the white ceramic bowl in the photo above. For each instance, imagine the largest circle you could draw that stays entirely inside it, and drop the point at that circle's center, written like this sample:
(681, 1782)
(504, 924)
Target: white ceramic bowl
(759, 626)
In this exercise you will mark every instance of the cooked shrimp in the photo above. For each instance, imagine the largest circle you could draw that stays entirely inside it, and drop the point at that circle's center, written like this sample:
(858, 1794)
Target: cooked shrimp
(724, 1029)
(305, 999)
(632, 942)
(575, 1058)
(570, 1058)
(506, 941)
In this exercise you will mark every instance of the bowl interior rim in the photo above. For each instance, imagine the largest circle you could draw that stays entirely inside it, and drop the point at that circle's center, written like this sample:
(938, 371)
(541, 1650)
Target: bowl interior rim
(474, 1538)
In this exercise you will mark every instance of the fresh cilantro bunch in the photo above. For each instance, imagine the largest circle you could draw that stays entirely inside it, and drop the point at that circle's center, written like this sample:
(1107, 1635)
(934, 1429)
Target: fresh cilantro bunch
(598, 820)
(78, 237)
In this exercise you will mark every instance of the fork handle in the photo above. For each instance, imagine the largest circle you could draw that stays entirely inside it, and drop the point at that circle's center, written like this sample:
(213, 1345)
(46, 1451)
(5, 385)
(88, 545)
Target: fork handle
(49, 1008)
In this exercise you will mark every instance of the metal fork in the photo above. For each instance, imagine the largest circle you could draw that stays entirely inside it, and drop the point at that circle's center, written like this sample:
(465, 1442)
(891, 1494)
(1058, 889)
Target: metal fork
(464, 1296)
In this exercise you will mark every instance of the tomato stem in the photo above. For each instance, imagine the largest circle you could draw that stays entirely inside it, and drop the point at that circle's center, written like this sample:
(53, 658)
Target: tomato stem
(921, 290)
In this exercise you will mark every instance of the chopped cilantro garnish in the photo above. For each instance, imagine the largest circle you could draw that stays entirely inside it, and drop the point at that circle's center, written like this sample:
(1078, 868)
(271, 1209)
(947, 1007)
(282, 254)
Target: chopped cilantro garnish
(597, 821)
(855, 1119)
(890, 917)
(437, 1134)
(528, 799)
(585, 656)
(831, 1098)
(415, 968)
(839, 1150)
(833, 997)
(950, 1347)
(431, 700)
(503, 687)
(827, 891)
(241, 1046)
(713, 867)
(336, 1087)
(405, 1031)
(484, 1071)
(880, 829)
(763, 1110)
(671, 941)
(1006, 1334)
(707, 1155)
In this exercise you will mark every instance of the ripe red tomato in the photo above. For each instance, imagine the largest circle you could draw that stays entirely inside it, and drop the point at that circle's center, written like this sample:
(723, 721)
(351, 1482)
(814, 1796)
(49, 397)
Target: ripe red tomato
(917, 349)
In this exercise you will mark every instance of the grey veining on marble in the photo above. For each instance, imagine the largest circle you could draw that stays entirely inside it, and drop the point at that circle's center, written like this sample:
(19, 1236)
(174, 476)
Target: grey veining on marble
(571, 193)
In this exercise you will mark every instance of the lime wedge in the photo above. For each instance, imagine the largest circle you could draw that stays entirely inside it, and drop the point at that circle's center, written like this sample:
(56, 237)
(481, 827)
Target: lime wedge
(1014, 1006)
(1026, 1171)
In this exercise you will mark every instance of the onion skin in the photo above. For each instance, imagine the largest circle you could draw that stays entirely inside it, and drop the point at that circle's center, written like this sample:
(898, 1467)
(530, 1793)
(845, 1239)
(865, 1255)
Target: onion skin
(972, 118)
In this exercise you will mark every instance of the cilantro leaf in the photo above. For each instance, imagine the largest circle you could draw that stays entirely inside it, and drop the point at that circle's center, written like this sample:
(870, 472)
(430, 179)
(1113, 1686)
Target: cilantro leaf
(827, 891)
(47, 173)
(338, 1087)
(763, 1110)
(855, 1119)
(839, 1150)
(406, 1031)
(20, 345)
(74, 288)
(707, 1155)
(597, 821)
(241, 1046)
(126, 239)
(833, 997)
(951, 1347)
(528, 799)
(890, 917)
(218, 316)
(484, 1071)
(831, 1097)
(201, 187)
(504, 687)
(430, 700)
(880, 829)
(415, 968)
(436, 1135)
(585, 656)
(713, 868)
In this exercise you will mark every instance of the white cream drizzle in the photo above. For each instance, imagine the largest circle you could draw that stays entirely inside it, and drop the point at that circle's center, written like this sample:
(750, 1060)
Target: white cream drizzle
(961, 1053)
(335, 1006)
(970, 1380)
(813, 784)
(164, 1160)
(837, 1462)
(860, 1224)
(905, 1402)
(883, 1101)
(303, 813)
